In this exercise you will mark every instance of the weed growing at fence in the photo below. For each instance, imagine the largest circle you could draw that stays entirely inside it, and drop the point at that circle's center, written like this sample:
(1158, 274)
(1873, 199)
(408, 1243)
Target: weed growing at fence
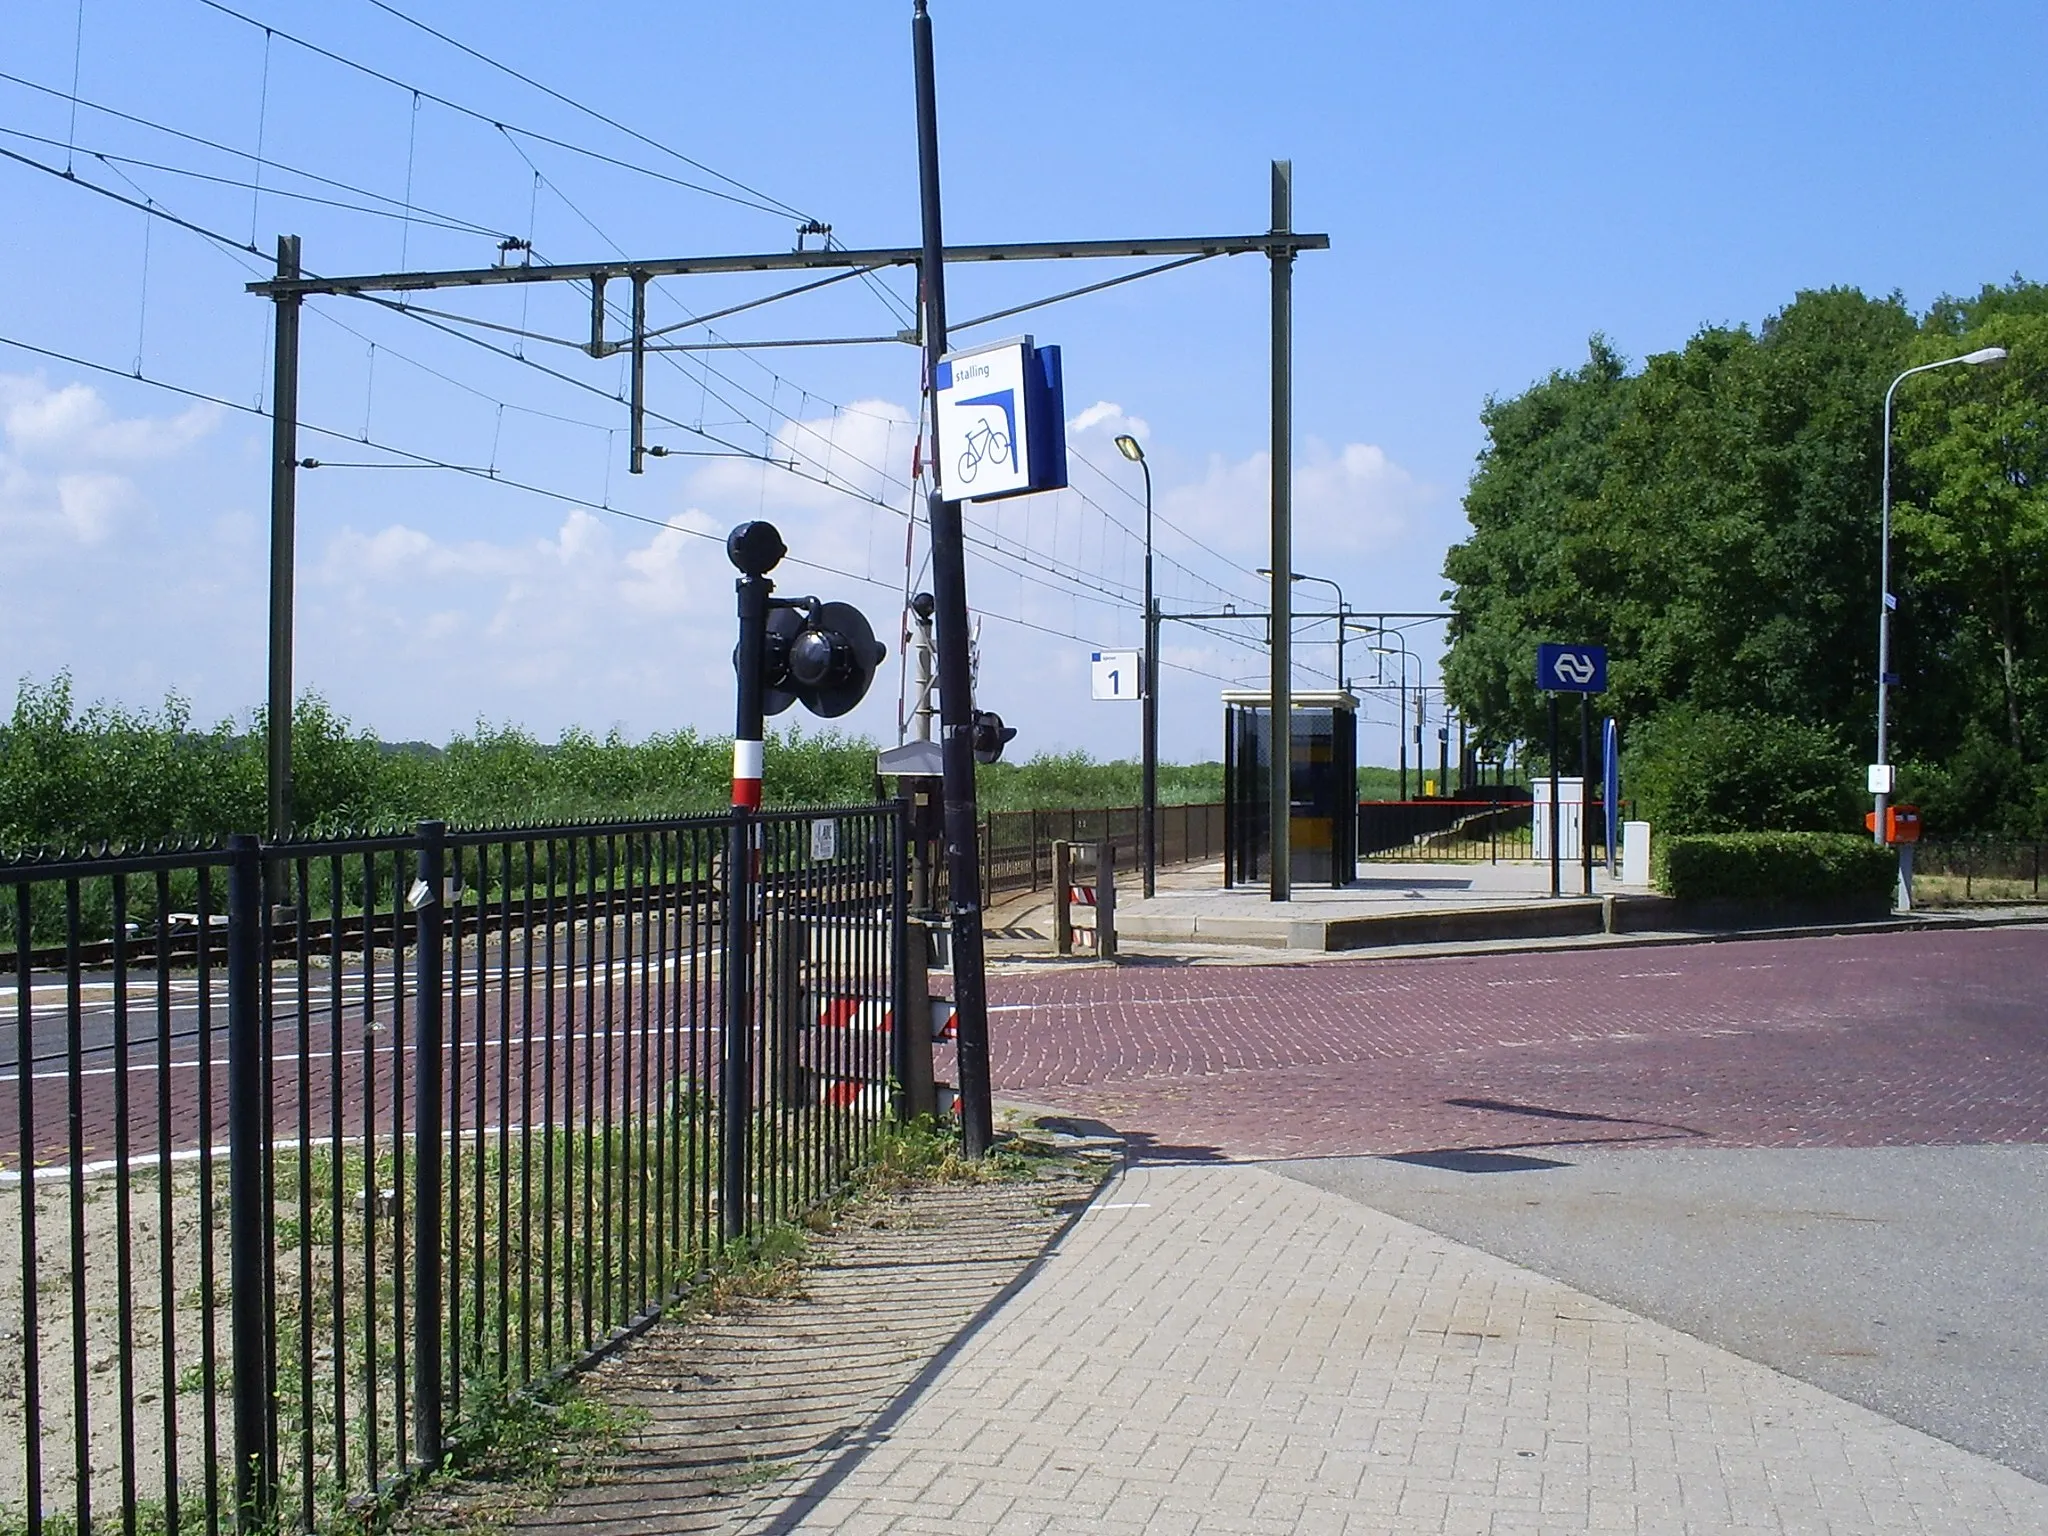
(929, 1151)
(523, 1452)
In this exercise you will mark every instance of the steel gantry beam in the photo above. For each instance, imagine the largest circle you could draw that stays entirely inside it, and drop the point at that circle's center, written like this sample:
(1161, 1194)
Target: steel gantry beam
(1264, 243)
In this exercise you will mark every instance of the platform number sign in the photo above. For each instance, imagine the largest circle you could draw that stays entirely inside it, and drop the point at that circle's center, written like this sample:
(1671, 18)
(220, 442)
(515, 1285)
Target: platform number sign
(1115, 676)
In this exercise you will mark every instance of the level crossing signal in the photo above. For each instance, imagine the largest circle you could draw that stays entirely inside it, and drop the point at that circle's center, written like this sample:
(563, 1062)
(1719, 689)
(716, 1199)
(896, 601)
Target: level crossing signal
(822, 656)
(990, 736)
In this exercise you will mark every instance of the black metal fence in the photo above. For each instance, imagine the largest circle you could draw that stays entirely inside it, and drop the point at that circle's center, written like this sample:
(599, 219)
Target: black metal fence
(1453, 831)
(1977, 872)
(321, 1151)
(1016, 846)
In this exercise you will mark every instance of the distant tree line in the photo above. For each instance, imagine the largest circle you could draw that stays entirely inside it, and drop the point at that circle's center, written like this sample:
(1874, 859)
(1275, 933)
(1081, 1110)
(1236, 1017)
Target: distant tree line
(1712, 518)
(106, 773)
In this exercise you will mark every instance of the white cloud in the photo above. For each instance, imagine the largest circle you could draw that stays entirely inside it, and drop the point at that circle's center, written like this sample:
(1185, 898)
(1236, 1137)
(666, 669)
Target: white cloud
(73, 424)
(1107, 419)
(1354, 500)
(66, 460)
(864, 448)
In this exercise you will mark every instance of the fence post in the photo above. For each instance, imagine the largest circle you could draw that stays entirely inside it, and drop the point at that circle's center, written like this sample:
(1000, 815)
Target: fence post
(429, 919)
(250, 1219)
(1062, 888)
(1105, 900)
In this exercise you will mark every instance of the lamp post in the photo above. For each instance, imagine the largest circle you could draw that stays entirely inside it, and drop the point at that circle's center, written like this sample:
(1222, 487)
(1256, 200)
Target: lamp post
(1148, 814)
(1342, 612)
(1406, 656)
(1881, 786)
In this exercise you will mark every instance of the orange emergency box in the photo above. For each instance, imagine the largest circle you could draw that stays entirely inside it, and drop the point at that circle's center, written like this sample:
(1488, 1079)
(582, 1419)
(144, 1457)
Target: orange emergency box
(1901, 823)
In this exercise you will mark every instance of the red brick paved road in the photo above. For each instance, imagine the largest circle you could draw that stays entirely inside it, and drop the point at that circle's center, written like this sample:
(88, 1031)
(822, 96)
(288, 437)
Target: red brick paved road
(1867, 1040)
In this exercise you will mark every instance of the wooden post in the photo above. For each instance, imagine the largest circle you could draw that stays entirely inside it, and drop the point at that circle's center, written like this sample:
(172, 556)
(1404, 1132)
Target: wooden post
(1062, 887)
(1105, 900)
(789, 946)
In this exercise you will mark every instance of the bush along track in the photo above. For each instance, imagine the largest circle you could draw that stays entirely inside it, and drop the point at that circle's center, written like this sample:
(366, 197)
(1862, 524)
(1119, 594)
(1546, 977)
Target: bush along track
(738, 1403)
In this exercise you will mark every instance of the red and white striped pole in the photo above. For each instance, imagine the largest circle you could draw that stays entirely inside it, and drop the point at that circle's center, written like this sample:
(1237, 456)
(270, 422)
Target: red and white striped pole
(746, 773)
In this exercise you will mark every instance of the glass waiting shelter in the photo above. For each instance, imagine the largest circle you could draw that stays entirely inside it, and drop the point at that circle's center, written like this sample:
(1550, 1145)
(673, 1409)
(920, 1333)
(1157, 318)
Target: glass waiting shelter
(1323, 821)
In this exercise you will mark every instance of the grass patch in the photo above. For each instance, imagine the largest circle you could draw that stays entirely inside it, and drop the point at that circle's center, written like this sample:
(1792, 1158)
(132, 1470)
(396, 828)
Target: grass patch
(519, 1455)
(929, 1151)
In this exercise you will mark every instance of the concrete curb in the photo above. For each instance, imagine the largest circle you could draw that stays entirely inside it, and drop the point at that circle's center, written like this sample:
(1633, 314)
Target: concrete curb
(1143, 952)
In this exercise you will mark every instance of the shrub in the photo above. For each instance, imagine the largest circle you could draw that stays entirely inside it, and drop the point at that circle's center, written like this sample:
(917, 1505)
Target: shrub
(1785, 866)
(1700, 770)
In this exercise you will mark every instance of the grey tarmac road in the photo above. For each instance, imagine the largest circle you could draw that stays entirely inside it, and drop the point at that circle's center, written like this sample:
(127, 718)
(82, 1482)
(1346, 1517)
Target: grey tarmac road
(1912, 1280)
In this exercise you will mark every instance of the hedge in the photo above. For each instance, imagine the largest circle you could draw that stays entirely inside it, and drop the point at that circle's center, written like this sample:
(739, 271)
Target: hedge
(1784, 866)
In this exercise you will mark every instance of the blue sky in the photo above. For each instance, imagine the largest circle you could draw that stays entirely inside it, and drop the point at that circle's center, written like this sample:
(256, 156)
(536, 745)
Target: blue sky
(1498, 183)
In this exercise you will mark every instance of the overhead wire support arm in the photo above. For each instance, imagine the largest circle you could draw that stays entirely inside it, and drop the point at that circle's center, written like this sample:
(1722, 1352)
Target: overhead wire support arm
(795, 261)
(1085, 289)
(788, 341)
(734, 309)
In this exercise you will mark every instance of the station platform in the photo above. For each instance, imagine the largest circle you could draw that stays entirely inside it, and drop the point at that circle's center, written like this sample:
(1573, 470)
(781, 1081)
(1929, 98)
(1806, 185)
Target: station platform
(1389, 904)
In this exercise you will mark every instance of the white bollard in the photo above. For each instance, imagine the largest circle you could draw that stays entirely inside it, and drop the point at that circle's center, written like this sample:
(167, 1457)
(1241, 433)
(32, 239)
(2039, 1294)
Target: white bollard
(1635, 853)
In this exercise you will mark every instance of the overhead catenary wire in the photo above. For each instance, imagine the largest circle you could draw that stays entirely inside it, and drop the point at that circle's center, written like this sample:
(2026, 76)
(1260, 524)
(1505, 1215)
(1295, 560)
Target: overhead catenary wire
(1075, 576)
(112, 160)
(754, 202)
(588, 110)
(800, 426)
(451, 221)
(564, 377)
(228, 242)
(1117, 484)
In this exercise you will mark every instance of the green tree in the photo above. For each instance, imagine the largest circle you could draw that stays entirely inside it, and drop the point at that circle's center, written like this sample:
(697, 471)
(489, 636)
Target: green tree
(1710, 519)
(1703, 770)
(1539, 478)
(1971, 528)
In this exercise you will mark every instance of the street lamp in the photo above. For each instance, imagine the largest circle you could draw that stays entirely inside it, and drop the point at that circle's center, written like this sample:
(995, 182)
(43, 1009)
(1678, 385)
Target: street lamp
(1406, 656)
(1148, 814)
(1881, 779)
(1341, 612)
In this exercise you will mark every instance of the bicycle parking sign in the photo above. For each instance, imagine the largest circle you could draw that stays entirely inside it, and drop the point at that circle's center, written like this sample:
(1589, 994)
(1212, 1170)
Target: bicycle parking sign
(1001, 428)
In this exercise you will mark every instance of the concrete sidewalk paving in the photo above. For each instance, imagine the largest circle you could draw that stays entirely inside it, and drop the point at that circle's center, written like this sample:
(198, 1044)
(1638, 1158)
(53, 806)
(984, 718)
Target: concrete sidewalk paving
(1219, 1348)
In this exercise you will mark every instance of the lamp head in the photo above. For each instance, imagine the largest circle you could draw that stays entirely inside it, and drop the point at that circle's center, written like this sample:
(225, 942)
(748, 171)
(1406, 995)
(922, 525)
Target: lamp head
(1130, 448)
(1986, 355)
(755, 548)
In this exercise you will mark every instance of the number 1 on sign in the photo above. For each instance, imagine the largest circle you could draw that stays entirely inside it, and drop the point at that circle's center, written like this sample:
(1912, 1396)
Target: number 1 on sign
(1114, 675)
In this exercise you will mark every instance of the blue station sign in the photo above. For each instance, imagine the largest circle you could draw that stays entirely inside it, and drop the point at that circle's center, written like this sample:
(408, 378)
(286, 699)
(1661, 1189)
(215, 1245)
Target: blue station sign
(1571, 668)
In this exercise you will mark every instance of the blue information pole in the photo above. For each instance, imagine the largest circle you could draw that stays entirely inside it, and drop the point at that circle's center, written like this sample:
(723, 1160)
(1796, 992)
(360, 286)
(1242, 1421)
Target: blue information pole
(1610, 788)
(1580, 669)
